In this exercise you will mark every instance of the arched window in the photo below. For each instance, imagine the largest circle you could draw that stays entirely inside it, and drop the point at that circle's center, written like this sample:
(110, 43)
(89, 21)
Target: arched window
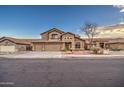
(77, 45)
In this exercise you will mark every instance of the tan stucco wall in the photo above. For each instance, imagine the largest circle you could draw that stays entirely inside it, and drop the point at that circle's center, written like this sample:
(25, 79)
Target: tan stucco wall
(54, 32)
(69, 38)
(81, 44)
(18, 47)
(45, 36)
(117, 46)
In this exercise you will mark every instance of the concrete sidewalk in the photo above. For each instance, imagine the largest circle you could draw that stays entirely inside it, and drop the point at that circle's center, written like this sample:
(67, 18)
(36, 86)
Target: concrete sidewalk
(49, 54)
(34, 55)
(111, 55)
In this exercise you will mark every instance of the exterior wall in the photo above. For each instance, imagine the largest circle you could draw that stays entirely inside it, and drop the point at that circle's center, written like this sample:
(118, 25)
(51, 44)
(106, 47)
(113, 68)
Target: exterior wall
(69, 38)
(54, 32)
(18, 47)
(117, 46)
(81, 44)
(121, 46)
(45, 36)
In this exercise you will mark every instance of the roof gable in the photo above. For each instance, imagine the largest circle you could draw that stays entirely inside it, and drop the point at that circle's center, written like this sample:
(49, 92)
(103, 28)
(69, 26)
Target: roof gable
(14, 40)
(68, 33)
(53, 29)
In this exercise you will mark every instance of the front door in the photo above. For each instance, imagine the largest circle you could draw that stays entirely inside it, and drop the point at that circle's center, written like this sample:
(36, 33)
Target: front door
(68, 45)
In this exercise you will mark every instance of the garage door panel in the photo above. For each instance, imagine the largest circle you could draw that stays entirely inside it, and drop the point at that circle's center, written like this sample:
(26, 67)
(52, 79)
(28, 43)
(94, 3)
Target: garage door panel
(7, 49)
(52, 46)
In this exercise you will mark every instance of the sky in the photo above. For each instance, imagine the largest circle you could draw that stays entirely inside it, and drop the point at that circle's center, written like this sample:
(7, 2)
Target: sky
(30, 21)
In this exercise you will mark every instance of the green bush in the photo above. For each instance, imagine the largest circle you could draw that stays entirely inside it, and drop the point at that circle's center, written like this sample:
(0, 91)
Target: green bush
(116, 49)
(95, 49)
(66, 49)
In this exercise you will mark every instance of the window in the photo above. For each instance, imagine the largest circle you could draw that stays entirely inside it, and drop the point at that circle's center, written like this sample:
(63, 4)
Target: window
(54, 36)
(77, 45)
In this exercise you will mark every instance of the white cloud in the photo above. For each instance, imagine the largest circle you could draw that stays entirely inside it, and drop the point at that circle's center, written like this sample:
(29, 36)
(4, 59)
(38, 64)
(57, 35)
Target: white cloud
(121, 7)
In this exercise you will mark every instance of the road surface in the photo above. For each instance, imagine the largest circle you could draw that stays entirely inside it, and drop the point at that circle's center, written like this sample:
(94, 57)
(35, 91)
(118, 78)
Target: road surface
(70, 72)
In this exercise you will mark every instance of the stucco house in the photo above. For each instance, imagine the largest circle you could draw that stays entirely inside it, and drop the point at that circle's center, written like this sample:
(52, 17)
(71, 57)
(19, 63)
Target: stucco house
(111, 37)
(8, 44)
(107, 43)
(57, 40)
(51, 40)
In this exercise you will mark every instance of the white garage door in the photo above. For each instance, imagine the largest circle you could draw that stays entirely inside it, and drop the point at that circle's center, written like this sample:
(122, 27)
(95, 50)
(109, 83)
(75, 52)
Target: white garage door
(7, 48)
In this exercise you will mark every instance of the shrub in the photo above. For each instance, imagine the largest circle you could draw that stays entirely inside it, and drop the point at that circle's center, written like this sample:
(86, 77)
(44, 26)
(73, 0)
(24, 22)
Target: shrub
(116, 49)
(96, 50)
(66, 49)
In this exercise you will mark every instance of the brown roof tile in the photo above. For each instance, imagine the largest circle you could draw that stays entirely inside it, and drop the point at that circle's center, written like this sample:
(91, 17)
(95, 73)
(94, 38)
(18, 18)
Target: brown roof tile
(19, 41)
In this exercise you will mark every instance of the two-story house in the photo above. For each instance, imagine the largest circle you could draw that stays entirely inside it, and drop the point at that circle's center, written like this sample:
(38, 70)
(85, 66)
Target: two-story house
(57, 40)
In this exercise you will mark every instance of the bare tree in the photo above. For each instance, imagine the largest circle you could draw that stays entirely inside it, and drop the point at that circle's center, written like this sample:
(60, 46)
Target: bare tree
(89, 29)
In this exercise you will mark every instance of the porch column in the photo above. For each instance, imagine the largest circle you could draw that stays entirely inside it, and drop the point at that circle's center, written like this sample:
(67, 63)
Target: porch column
(97, 44)
(72, 45)
(63, 46)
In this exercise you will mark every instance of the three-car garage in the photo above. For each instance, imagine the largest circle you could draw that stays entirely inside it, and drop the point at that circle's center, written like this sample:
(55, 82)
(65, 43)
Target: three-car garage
(47, 46)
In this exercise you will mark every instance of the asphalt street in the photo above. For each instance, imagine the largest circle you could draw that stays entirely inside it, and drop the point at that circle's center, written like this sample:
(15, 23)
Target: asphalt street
(69, 72)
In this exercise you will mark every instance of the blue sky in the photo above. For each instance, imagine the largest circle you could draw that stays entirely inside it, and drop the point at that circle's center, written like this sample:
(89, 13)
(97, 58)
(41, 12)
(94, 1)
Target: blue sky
(30, 21)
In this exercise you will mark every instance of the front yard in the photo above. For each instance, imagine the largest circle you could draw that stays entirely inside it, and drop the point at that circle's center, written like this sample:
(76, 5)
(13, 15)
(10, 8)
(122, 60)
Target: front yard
(49, 54)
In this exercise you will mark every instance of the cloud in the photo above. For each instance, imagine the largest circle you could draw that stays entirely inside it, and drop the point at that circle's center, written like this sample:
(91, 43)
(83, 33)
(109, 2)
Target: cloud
(121, 7)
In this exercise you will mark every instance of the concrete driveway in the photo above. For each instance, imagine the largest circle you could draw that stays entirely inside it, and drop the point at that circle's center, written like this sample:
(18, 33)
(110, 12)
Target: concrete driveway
(32, 54)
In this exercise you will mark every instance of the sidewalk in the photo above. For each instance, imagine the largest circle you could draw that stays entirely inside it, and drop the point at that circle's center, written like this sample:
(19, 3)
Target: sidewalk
(85, 54)
(79, 54)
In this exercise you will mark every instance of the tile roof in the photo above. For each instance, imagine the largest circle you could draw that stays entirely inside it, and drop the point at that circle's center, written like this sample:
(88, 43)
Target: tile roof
(19, 41)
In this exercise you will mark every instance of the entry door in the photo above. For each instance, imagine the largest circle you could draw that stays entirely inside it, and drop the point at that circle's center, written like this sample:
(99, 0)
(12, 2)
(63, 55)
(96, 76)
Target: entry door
(68, 45)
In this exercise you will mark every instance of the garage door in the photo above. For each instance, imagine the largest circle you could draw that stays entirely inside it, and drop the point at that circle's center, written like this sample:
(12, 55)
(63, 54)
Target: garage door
(7, 48)
(38, 47)
(52, 46)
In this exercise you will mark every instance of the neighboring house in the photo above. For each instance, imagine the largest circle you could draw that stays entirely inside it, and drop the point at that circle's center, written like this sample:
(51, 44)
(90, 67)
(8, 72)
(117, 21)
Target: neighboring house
(52, 40)
(111, 37)
(107, 43)
(8, 44)
(57, 40)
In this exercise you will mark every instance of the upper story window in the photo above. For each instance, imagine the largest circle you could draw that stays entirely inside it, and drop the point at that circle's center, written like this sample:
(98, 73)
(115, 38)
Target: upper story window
(68, 38)
(54, 36)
